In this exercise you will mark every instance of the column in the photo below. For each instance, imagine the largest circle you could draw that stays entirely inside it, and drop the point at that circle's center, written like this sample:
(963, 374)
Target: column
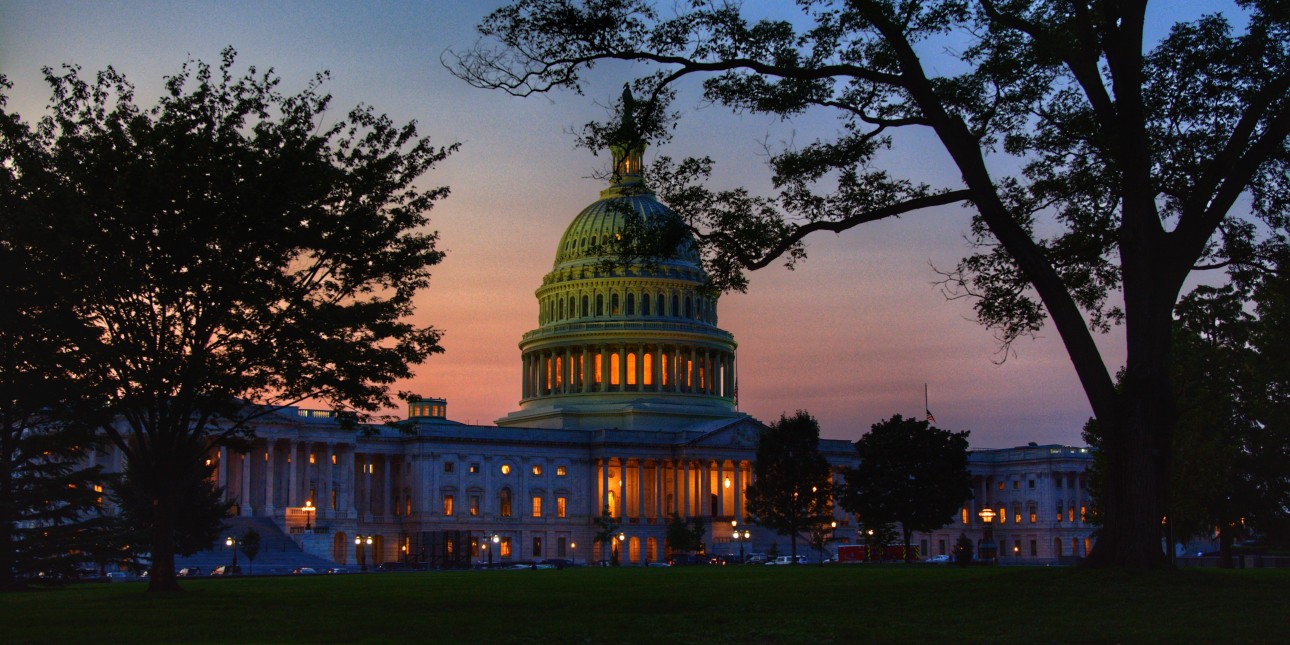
(604, 486)
(640, 488)
(386, 495)
(640, 369)
(221, 471)
(622, 482)
(622, 367)
(588, 370)
(705, 488)
(685, 496)
(244, 495)
(293, 478)
(604, 369)
(271, 456)
(656, 369)
(721, 488)
(739, 490)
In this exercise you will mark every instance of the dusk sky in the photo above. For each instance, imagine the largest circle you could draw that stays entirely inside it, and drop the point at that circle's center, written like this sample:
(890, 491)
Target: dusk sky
(851, 335)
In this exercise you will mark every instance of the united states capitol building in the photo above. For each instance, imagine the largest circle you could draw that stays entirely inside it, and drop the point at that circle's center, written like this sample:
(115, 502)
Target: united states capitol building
(628, 408)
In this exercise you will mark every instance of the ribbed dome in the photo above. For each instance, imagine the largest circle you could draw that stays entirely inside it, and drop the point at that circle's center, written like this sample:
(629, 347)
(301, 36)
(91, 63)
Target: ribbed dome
(612, 216)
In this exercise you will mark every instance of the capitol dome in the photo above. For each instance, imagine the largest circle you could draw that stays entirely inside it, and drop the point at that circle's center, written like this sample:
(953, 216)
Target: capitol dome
(625, 342)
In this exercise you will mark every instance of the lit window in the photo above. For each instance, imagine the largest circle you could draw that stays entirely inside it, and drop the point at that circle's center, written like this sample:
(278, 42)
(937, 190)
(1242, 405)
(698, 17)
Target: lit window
(474, 505)
(537, 506)
(1017, 517)
(559, 507)
(311, 459)
(506, 469)
(1059, 511)
(447, 505)
(1034, 516)
(1000, 485)
(1003, 516)
(505, 547)
(1083, 514)
(504, 502)
(1070, 514)
(1016, 484)
(447, 466)
(964, 513)
(537, 471)
(333, 460)
(474, 469)
(560, 471)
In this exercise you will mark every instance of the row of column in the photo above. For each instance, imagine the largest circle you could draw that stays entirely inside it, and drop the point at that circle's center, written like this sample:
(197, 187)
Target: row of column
(277, 474)
(658, 488)
(627, 368)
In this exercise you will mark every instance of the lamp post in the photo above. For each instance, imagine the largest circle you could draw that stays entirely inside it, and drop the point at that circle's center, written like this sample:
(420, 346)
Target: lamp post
(232, 541)
(740, 537)
(359, 541)
(573, 552)
(308, 510)
(495, 540)
(988, 551)
(618, 538)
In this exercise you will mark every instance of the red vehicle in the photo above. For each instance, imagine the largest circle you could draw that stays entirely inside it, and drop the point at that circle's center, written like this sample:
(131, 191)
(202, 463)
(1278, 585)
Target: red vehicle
(860, 553)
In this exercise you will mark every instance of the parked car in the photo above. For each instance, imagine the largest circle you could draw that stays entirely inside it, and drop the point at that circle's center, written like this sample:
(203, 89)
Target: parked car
(227, 570)
(335, 570)
(118, 576)
(689, 560)
(788, 559)
(938, 559)
(189, 572)
(303, 571)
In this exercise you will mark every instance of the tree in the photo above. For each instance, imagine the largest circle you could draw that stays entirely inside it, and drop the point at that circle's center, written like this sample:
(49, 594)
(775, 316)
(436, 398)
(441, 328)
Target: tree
(1132, 157)
(607, 533)
(963, 550)
(910, 472)
(684, 537)
(792, 487)
(250, 544)
(50, 493)
(235, 250)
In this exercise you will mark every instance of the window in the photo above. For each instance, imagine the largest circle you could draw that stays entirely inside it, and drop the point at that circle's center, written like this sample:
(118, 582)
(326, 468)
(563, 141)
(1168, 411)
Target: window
(964, 513)
(311, 459)
(537, 506)
(447, 466)
(447, 505)
(1001, 485)
(631, 304)
(504, 502)
(600, 304)
(1034, 515)
(1030, 483)
(505, 547)
(1034, 548)
(1003, 516)
(537, 547)
(1083, 514)
(474, 469)
(1016, 484)
(559, 507)
(560, 546)
(1059, 483)
(537, 471)
(560, 471)
(1070, 513)
(506, 469)
(613, 304)
(474, 505)
(1059, 511)
(333, 500)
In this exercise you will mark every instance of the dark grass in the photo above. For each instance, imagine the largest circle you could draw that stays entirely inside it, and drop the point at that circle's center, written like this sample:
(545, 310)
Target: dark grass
(747, 605)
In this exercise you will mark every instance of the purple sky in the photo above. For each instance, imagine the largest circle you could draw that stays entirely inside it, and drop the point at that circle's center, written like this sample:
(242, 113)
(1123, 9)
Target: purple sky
(851, 335)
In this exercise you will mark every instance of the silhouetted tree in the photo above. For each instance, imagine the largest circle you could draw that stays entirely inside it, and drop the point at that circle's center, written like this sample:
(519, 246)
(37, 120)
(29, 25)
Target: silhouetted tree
(235, 250)
(792, 489)
(684, 536)
(910, 472)
(250, 544)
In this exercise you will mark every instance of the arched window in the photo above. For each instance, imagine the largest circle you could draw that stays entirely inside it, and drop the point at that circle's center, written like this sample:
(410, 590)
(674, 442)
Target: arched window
(585, 303)
(631, 304)
(504, 502)
(613, 305)
(676, 306)
(651, 549)
(658, 306)
(573, 306)
(644, 304)
(600, 304)
(561, 315)
(688, 307)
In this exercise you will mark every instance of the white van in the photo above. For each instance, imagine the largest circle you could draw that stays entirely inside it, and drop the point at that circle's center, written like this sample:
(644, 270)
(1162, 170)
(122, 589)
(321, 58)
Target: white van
(788, 559)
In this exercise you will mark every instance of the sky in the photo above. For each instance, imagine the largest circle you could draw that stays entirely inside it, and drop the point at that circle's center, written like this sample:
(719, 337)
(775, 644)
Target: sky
(852, 335)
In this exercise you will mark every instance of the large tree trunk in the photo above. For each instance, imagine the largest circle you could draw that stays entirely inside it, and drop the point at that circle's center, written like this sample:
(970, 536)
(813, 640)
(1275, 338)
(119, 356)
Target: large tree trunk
(163, 578)
(1225, 538)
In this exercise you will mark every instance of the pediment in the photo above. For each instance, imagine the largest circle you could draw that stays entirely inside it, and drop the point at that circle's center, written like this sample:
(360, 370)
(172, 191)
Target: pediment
(741, 433)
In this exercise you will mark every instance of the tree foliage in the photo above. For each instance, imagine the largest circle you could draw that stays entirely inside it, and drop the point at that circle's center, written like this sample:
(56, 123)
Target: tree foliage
(910, 472)
(792, 489)
(235, 249)
(1136, 161)
(684, 536)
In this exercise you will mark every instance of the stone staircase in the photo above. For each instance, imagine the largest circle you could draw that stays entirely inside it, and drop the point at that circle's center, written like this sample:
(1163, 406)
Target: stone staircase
(279, 554)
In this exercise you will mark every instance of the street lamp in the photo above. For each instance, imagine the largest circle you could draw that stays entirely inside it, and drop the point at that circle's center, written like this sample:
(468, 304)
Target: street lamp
(232, 541)
(308, 510)
(496, 540)
(740, 537)
(988, 551)
(573, 551)
(618, 538)
(359, 541)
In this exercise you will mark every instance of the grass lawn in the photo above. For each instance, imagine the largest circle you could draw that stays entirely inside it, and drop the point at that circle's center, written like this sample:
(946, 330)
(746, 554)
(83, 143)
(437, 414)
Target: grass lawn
(746, 605)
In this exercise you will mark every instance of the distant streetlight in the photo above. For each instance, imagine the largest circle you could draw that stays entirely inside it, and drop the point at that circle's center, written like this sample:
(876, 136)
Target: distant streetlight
(988, 551)
(308, 510)
(573, 551)
(740, 537)
(496, 539)
(232, 541)
(618, 538)
(359, 542)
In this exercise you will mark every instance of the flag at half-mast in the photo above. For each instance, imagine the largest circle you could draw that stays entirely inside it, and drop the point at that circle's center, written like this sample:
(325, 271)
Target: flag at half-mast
(926, 408)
